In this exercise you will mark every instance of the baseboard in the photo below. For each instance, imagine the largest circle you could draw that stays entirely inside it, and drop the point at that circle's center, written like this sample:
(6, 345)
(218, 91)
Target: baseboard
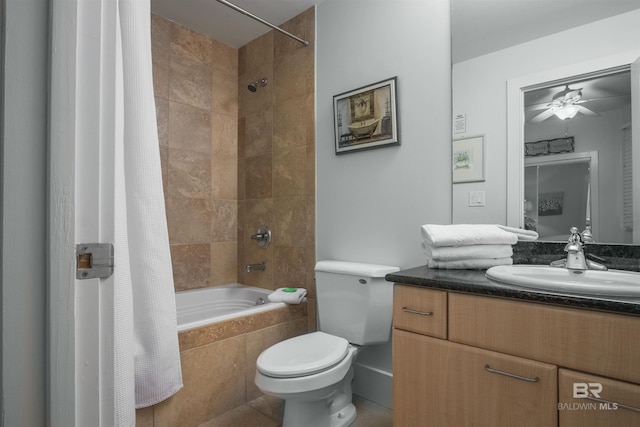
(373, 384)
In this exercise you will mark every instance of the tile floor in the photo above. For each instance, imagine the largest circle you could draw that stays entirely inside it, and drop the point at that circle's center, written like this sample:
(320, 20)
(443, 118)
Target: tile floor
(369, 415)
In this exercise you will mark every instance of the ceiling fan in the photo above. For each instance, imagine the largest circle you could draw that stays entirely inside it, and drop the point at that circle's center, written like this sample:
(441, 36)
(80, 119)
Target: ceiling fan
(564, 105)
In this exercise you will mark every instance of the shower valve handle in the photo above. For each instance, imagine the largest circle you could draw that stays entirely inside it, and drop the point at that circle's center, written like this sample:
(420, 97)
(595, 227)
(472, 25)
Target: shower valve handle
(262, 236)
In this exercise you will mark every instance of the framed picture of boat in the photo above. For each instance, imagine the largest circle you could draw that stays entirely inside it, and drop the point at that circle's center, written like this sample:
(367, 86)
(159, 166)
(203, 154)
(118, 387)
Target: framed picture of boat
(366, 117)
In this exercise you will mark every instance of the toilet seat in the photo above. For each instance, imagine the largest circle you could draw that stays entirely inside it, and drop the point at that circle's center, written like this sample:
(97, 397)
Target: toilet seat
(302, 355)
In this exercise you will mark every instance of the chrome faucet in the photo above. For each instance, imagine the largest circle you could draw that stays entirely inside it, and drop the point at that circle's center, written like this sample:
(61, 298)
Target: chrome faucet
(257, 267)
(576, 259)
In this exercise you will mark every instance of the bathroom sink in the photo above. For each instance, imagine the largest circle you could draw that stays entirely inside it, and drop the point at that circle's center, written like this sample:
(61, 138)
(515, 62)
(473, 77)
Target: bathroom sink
(614, 283)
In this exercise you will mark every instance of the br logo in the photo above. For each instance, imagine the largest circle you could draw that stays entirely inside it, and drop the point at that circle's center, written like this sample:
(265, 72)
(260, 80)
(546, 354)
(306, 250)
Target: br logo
(584, 390)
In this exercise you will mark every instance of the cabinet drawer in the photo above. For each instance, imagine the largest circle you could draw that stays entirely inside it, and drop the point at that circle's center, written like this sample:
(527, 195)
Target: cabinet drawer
(443, 384)
(420, 310)
(618, 403)
(602, 343)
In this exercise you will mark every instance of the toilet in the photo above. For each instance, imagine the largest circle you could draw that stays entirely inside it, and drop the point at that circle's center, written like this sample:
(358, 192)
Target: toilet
(313, 372)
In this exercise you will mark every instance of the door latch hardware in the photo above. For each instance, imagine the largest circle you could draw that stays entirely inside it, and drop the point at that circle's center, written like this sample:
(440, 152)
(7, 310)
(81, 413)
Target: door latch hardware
(94, 260)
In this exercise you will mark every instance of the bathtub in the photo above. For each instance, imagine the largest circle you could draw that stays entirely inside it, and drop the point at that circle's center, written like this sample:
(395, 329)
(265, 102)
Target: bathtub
(200, 307)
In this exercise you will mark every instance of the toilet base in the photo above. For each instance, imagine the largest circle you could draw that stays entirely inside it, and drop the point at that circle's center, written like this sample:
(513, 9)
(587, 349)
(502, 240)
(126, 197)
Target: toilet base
(316, 414)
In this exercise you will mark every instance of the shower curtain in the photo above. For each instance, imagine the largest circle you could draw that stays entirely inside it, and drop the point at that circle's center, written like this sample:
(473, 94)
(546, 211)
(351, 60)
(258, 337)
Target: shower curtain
(146, 353)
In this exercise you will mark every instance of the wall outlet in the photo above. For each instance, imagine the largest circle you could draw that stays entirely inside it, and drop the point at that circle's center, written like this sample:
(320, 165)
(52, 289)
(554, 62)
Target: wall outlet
(476, 198)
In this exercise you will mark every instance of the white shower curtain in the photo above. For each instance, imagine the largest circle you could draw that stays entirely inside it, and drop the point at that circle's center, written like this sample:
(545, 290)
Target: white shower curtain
(147, 358)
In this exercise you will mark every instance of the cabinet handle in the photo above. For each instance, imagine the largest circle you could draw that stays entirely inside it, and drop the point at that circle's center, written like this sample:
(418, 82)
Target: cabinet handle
(422, 313)
(507, 374)
(619, 405)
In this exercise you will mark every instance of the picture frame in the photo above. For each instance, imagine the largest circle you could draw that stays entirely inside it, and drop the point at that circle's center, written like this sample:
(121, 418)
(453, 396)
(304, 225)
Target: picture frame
(468, 159)
(366, 117)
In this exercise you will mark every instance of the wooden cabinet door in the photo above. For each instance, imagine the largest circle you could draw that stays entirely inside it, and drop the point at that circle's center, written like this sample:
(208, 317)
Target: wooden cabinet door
(439, 383)
(591, 401)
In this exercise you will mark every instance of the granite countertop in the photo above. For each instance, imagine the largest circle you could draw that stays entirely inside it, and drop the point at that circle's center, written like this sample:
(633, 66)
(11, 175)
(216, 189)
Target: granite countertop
(475, 282)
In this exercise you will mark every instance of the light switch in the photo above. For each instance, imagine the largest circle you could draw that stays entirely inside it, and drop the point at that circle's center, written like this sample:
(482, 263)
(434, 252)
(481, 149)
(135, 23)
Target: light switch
(476, 198)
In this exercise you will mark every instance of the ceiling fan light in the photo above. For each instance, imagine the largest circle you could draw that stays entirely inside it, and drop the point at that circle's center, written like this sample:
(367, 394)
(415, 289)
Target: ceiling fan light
(567, 112)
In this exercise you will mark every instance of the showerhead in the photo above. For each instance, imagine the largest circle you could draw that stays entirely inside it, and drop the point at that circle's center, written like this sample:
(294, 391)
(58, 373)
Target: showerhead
(254, 85)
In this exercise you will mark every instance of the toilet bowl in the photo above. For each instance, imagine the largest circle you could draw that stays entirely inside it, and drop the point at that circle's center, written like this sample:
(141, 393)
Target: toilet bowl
(313, 372)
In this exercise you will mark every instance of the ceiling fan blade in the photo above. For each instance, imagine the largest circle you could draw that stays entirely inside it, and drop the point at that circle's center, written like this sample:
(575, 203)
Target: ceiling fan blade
(586, 111)
(542, 116)
(534, 107)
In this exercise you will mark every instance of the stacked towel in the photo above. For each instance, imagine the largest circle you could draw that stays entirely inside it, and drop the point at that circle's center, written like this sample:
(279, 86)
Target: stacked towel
(469, 246)
(288, 295)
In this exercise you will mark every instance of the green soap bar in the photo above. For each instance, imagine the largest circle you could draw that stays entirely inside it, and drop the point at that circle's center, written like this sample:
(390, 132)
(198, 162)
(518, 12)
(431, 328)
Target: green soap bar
(289, 289)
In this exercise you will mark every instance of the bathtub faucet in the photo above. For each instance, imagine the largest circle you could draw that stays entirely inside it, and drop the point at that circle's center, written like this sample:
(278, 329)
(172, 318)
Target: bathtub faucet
(258, 267)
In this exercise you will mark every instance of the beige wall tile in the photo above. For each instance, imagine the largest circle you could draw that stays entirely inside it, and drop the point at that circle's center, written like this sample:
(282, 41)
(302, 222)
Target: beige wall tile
(144, 417)
(209, 334)
(289, 266)
(213, 384)
(289, 172)
(225, 93)
(258, 130)
(189, 174)
(224, 258)
(224, 225)
(293, 76)
(290, 219)
(224, 139)
(189, 127)
(160, 36)
(188, 220)
(224, 177)
(162, 118)
(258, 177)
(191, 44)
(253, 254)
(190, 266)
(190, 81)
(290, 123)
(224, 58)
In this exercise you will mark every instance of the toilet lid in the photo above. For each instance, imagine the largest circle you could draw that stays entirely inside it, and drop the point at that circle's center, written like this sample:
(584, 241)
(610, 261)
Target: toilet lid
(302, 355)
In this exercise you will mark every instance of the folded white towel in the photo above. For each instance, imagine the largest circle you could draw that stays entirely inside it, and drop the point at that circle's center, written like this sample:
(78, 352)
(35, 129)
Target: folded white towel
(522, 234)
(466, 234)
(469, 264)
(454, 253)
(288, 295)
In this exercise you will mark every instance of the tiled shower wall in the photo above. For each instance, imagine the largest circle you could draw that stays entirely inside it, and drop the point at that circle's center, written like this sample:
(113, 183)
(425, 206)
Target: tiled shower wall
(195, 84)
(276, 157)
(232, 159)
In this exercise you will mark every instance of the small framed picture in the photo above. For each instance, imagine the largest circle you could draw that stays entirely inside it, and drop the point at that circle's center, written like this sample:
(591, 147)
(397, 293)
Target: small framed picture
(468, 159)
(366, 118)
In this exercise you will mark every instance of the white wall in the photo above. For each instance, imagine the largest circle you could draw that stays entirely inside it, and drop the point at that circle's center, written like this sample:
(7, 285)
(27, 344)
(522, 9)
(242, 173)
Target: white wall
(480, 91)
(371, 204)
(23, 191)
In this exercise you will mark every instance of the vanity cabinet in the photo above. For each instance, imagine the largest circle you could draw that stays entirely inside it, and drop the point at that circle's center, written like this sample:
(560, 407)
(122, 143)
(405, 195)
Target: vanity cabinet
(471, 360)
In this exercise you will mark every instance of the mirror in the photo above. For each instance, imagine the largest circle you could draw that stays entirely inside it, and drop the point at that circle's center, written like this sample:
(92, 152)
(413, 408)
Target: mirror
(496, 88)
(572, 131)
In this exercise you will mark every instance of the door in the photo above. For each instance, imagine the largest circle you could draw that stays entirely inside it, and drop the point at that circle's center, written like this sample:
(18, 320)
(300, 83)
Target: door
(82, 105)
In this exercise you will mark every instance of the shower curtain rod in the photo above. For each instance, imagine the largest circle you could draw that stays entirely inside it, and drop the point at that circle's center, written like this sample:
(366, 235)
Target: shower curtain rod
(267, 23)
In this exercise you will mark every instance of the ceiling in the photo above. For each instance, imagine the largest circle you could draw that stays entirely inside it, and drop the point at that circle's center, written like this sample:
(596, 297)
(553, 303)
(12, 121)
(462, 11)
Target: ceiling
(478, 26)
(226, 25)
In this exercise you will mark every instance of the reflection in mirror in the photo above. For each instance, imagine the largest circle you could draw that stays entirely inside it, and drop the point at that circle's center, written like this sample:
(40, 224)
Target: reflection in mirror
(539, 54)
(561, 192)
(589, 117)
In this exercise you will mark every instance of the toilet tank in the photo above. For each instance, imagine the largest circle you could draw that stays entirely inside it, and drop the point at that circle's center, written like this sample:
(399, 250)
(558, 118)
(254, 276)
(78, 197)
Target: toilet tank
(354, 301)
